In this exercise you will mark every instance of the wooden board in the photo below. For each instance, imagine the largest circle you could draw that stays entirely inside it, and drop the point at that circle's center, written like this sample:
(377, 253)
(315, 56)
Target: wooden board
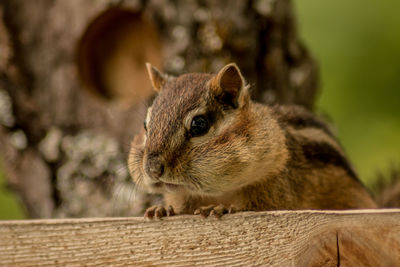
(279, 238)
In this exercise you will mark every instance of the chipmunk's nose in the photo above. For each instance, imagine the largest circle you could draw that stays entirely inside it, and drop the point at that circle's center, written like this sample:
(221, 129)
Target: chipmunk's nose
(154, 168)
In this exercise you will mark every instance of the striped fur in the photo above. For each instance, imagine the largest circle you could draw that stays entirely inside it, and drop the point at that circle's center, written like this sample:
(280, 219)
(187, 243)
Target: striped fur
(254, 157)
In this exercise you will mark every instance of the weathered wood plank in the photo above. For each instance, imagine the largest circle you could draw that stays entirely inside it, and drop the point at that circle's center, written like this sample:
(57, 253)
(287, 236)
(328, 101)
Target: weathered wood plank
(280, 238)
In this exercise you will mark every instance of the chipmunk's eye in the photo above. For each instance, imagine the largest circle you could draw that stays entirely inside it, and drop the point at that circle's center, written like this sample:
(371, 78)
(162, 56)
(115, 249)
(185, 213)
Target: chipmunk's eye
(145, 126)
(199, 126)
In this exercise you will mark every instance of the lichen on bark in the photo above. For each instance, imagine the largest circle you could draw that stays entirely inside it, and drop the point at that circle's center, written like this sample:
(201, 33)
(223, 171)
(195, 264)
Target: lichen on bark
(74, 161)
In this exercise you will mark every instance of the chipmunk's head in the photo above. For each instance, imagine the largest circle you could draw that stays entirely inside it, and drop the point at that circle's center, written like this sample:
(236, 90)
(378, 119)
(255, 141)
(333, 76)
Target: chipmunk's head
(195, 133)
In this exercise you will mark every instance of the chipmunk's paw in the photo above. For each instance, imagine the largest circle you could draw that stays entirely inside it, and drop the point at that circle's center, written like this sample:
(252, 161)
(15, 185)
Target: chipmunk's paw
(158, 212)
(213, 210)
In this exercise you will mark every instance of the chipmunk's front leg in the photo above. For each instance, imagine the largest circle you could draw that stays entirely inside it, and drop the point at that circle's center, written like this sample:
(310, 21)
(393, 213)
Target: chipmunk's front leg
(198, 205)
(215, 210)
(159, 211)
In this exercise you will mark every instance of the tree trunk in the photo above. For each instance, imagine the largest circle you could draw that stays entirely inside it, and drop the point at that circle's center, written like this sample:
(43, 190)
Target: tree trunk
(74, 89)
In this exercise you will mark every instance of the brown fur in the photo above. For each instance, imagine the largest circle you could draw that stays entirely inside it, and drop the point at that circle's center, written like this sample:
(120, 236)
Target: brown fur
(254, 157)
(387, 188)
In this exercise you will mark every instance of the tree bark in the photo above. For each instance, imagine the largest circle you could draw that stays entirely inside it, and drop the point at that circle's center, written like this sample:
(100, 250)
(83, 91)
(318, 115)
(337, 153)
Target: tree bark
(73, 86)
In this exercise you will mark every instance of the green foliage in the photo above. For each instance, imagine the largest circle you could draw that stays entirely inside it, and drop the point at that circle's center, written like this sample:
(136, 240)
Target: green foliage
(357, 44)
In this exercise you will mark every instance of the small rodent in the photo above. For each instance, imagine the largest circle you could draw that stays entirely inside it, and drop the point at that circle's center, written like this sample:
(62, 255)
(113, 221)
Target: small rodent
(209, 149)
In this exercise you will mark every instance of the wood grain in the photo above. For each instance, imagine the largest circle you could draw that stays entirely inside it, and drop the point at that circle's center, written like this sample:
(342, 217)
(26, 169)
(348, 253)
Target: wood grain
(279, 238)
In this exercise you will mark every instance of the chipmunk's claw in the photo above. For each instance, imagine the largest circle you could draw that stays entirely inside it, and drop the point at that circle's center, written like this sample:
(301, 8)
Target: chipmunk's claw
(213, 210)
(158, 212)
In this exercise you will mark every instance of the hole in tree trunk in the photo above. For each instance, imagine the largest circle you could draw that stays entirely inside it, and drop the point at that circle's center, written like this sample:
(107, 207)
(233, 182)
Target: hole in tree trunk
(112, 54)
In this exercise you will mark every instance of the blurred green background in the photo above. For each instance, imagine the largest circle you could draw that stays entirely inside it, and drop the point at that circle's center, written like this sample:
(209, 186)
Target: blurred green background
(357, 44)
(9, 206)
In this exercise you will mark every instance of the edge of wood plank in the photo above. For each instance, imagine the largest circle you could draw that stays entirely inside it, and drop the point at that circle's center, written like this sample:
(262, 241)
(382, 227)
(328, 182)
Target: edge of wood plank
(197, 217)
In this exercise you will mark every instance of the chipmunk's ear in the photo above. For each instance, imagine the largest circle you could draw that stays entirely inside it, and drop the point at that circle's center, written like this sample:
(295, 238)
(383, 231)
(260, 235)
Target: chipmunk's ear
(227, 84)
(157, 78)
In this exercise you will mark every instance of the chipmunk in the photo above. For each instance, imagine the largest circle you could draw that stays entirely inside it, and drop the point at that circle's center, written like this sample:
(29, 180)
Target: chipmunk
(210, 150)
